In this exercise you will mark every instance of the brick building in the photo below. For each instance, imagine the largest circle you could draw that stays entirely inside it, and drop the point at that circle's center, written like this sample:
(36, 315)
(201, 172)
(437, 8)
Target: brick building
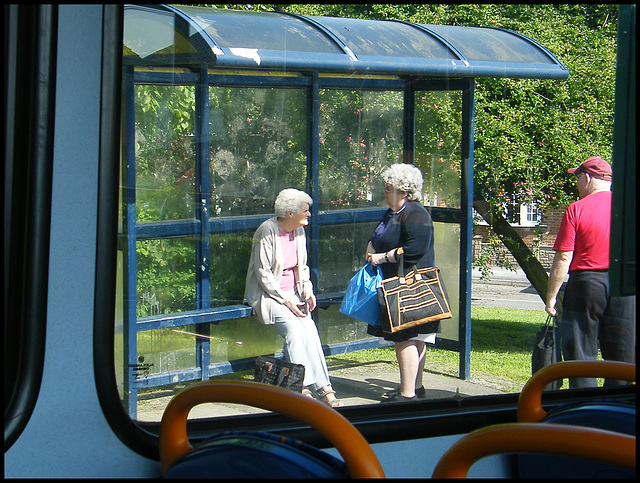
(540, 237)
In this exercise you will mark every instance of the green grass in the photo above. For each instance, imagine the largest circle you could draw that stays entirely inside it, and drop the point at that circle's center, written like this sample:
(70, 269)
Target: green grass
(501, 345)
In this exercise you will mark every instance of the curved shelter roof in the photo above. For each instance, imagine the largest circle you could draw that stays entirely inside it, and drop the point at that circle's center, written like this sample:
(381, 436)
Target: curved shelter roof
(157, 34)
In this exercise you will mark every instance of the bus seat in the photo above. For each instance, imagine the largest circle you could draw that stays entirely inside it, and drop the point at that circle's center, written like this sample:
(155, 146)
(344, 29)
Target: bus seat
(610, 415)
(530, 400)
(549, 439)
(248, 454)
(594, 439)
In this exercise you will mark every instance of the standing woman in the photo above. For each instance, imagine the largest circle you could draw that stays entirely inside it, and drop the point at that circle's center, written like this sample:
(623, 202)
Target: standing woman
(406, 224)
(280, 291)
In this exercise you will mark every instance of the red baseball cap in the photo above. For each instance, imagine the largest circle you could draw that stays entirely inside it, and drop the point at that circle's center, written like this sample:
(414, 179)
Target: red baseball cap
(594, 166)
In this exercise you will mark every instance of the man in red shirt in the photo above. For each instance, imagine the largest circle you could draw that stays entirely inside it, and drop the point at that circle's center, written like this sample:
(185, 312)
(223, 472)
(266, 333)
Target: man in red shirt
(590, 315)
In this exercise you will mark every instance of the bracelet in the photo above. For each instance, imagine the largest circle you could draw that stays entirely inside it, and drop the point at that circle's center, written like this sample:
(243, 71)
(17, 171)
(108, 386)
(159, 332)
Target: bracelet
(386, 256)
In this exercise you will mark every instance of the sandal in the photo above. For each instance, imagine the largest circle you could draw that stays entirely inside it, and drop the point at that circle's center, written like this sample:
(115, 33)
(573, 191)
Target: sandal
(334, 403)
(307, 392)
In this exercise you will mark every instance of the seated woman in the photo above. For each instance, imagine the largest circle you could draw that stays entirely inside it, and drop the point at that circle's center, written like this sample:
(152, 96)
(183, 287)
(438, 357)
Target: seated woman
(280, 291)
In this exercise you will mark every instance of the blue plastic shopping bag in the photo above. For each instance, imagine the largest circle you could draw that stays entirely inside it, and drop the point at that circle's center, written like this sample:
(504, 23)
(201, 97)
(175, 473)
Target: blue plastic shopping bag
(361, 298)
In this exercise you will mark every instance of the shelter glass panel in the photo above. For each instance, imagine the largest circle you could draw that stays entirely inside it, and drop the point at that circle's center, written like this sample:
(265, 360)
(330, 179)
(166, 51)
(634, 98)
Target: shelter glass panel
(392, 39)
(229, 255)
(272, 31)
(166, 276)
(447, 239)
(493, 45)
(341, 253)
(149, 32)
(438, 146)
(258, 146)
(165, 152)
(360, 134)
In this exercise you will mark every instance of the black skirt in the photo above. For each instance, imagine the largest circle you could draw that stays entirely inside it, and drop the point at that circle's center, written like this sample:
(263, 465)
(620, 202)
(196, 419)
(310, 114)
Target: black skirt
(405, 334)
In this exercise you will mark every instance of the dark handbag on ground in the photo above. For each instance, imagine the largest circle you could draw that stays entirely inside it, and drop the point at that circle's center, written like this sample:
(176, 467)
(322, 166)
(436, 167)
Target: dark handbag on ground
(417, 298)
(360, 300)
(546, 350)
(277, 372)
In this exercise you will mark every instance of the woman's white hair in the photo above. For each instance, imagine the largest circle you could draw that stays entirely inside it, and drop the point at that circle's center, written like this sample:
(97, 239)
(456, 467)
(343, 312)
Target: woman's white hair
(290, 199)
(404, 177)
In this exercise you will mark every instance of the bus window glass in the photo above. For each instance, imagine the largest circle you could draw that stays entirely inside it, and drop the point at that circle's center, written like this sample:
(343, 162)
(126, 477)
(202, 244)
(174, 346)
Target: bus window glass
(205, 173)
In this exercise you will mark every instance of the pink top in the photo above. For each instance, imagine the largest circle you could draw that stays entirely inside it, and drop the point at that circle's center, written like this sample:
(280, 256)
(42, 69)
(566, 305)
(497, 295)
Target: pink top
(585, 230)
(290, 260)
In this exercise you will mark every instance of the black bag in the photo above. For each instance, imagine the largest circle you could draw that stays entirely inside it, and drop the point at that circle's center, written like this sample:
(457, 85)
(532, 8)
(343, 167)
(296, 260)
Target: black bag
(546, 351)
(417, 298)
(277, 372)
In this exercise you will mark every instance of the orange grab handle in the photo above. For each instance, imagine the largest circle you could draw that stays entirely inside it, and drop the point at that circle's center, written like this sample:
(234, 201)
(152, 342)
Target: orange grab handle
(530, 399)
(606, 446)
(174, 443)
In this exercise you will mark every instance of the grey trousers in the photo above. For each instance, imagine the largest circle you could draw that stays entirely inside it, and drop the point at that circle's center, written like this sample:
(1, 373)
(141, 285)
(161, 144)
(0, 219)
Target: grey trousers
(302, 346)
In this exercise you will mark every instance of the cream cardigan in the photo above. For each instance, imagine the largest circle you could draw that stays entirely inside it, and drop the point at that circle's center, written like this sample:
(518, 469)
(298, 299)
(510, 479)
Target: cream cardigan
(262, 288)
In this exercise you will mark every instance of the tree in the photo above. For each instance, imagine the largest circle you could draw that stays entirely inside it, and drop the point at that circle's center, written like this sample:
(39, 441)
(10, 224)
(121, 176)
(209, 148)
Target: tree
(528, 131)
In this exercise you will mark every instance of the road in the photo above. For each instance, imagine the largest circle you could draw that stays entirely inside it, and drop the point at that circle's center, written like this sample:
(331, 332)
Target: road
(506, 289)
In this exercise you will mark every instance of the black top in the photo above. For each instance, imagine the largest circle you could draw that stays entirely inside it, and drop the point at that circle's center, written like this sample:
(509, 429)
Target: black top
(411, 228)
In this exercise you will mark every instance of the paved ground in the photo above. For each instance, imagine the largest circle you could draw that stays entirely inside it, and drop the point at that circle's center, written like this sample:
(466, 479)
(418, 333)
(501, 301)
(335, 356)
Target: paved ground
(364, 384)
(355, 384)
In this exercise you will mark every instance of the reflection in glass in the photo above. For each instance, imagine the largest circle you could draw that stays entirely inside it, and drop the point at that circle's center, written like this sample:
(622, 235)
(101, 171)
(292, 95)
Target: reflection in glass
(165, 153)
(258, 146)
(438, 144)
(360, 134)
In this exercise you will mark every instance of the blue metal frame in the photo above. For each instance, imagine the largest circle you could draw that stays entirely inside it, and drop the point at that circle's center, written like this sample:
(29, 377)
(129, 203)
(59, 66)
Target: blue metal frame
(455, 71)
(466, 256)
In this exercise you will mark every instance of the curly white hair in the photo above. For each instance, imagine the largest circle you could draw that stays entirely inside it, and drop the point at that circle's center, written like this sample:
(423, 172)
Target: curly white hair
(404, 177)
(290, 199)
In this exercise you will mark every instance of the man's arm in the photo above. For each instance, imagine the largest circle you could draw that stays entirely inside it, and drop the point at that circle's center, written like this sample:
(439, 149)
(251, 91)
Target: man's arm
(559, 270)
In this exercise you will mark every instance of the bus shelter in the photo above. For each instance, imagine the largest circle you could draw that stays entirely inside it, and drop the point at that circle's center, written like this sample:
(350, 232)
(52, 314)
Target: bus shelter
(223, 109)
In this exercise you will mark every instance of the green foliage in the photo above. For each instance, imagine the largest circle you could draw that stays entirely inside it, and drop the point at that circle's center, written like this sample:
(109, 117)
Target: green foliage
(438, 141)
(528, 131)
(166, 276)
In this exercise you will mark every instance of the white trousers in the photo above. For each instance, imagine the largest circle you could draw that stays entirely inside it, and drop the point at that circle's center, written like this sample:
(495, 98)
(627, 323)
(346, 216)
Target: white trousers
(302, 345)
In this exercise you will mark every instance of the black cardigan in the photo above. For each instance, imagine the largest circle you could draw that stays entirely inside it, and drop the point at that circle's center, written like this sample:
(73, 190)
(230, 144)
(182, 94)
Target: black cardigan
(412, 229)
